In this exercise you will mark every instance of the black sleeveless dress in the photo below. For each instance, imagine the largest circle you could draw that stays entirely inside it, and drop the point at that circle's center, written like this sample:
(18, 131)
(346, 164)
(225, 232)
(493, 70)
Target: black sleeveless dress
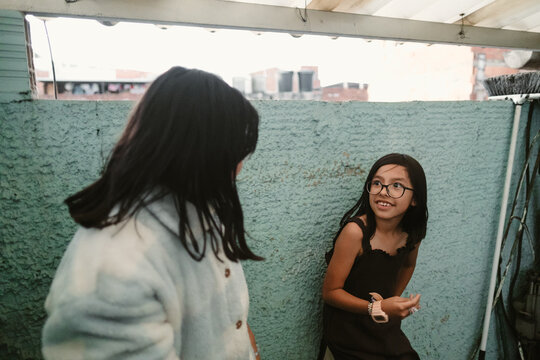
(352, 336)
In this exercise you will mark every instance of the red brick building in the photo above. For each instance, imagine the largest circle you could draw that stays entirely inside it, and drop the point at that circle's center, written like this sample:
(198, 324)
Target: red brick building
(488, 62)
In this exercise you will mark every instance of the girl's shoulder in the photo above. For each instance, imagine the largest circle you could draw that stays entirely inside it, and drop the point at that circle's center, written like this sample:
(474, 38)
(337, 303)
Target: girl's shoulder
(349, 236)
(360, 221)
(354, 230)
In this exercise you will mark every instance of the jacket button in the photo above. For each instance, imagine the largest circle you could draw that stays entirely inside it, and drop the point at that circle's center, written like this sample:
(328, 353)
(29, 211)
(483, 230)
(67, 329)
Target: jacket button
(227, 272)
(239, 324)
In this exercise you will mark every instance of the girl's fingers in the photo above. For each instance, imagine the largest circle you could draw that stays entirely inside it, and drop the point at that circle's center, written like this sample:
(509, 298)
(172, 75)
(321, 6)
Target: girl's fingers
(411, 298)
(414, 301)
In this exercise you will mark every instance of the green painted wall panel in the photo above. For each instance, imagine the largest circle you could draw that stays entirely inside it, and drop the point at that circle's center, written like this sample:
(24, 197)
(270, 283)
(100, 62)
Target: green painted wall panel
(10, 74)
(14, 74)
(10, 38)
(12, 85)
(15, 27)
(12, 17)
(308, 169)
(13, 63)
(9, 54)
(13, 48)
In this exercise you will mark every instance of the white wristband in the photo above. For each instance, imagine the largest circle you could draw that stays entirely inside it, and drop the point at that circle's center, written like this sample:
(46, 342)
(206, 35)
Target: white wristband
(377, 314)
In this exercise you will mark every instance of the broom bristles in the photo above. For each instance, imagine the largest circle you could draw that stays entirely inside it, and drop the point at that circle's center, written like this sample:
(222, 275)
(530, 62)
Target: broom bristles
(514, 84)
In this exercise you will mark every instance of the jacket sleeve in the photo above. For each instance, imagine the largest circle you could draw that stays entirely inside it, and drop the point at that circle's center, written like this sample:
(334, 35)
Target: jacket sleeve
(119, 320)
(117, 317)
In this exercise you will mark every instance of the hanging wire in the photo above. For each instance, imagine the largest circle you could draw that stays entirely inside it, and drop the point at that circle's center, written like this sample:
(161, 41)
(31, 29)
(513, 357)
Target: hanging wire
(517, 245)
(55, 85)
(461, 32)
(303, 16)
(518, 241)
(528, 178)
(529, 236)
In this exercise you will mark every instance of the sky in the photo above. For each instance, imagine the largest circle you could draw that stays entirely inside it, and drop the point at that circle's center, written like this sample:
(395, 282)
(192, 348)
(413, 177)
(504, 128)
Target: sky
(394, 71)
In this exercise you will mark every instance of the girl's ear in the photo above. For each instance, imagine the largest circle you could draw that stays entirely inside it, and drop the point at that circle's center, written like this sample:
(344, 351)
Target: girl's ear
(413, 202)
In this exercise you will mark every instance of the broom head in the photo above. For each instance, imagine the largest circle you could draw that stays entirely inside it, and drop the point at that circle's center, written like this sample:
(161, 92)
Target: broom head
(514, 84)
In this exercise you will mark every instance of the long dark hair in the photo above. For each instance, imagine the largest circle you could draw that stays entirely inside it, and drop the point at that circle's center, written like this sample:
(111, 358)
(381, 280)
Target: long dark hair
(414, 221)
(184, 138)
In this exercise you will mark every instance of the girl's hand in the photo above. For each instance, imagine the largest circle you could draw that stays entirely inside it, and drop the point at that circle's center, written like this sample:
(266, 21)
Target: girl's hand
(398, 307)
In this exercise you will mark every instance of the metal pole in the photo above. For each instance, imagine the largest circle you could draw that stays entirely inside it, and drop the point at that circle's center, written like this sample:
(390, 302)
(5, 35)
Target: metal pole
(502, 220)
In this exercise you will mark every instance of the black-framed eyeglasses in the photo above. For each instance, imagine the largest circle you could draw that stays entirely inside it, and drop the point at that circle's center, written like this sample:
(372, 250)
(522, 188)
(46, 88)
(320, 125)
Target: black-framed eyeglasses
(394, 190)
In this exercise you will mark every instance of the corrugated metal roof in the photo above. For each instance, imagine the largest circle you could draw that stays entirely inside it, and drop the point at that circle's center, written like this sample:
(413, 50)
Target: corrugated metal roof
(491, 23)
(511, 19)
(521, 15)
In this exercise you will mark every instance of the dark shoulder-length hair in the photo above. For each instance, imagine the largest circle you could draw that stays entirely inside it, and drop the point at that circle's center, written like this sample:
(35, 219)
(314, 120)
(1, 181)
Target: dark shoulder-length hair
(415, 220)
(184, 138)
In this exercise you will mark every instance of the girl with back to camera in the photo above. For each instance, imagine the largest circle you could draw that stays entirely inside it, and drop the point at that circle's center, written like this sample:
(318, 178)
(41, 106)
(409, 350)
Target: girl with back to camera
(371, 263)
(153, 272)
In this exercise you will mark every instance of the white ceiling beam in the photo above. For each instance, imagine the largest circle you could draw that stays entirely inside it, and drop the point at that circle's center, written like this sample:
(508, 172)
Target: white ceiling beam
(473, 5)
(325, 5)
(403, 9)
(526, 23)
(535, 29)
(224, 14)
(288, 3)
(449, 11)
(367, 7)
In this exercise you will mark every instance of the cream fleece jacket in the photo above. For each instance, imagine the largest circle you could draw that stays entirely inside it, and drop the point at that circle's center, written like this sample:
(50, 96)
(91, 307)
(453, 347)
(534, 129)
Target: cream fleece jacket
(131, 291)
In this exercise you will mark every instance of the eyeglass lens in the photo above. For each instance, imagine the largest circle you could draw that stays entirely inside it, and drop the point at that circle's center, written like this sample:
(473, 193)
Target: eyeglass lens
(395, 190)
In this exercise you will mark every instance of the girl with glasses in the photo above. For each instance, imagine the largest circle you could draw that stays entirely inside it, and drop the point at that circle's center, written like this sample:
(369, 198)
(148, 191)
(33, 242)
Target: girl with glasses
(154, 271)
(371, 262)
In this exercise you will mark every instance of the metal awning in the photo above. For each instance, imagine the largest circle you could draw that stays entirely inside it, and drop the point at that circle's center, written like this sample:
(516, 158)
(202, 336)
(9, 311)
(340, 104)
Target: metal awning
(491, 23)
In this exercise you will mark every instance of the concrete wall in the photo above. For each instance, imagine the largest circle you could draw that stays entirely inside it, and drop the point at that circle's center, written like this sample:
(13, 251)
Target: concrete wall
(308, 169)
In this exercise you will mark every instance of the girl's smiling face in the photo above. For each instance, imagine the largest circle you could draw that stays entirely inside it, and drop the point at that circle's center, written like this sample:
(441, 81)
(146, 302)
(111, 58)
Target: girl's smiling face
(383, 205)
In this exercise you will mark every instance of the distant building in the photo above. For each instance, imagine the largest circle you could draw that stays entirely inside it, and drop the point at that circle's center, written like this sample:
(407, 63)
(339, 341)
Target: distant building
(304, 84)
(239, 83)
(117, 84)
(488, 62)
(345, 92)
(265, 81)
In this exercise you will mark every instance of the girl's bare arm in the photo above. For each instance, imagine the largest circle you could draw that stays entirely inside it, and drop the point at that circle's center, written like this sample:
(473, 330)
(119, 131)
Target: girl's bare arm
(254, 344)
(348, 246)
(406, 271)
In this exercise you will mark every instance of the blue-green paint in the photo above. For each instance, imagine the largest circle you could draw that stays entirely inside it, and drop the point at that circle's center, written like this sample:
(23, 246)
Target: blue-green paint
(308, 169)
(14, 74)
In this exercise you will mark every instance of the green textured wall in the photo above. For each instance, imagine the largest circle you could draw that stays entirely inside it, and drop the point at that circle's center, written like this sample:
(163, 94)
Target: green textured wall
(308, 169)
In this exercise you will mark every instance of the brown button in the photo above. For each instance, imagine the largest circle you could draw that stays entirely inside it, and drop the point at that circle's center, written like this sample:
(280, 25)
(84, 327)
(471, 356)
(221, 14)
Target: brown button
(227, 272)
(239, 324)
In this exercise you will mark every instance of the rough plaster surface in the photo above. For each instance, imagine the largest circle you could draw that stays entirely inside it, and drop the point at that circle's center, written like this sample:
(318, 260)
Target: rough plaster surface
(308, 169)
(49, 150)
